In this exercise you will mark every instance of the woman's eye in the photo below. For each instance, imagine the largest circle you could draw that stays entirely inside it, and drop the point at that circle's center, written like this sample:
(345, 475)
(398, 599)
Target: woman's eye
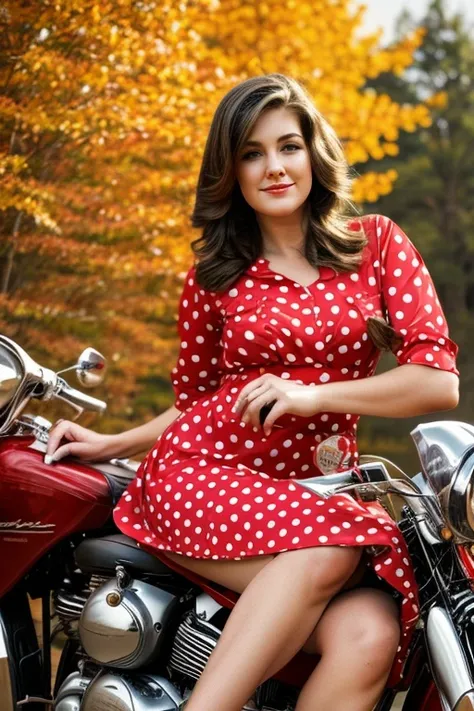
(249, 155)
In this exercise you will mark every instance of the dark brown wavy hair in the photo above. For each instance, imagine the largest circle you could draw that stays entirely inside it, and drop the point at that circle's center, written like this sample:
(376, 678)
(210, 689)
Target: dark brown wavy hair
(231, 239)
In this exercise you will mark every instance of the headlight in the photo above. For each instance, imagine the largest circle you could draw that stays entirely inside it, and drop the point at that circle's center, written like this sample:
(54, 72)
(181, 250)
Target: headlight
(446, 451)
(11, 375)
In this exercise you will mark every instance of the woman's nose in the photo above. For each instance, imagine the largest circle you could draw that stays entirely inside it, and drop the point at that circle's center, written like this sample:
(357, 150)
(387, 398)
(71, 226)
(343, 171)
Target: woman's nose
(275, 169)
(274, 164)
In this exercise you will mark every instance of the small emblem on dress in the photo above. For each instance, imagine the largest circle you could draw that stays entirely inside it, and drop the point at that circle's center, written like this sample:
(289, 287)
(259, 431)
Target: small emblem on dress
(332, 454)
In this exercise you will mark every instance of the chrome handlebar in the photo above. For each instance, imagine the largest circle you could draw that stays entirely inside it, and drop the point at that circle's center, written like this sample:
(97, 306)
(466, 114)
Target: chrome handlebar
(24, 379)
(78, 399)
(376, 484)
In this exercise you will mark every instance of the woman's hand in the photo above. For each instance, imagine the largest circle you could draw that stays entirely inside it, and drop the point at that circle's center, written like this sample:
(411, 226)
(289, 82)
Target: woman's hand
(289, 397)
(82, 443)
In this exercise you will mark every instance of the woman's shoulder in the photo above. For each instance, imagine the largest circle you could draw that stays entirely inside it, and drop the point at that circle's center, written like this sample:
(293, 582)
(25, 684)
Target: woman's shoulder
(373, 224)
(382, 233)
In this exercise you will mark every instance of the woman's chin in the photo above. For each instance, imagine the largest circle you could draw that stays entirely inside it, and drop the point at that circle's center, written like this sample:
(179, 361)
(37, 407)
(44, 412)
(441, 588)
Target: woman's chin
(281, 210)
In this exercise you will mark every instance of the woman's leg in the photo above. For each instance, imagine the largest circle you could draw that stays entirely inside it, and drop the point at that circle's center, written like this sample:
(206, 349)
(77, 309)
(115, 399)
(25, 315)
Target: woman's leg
(273, 618)
(357, 638)
(232, 574)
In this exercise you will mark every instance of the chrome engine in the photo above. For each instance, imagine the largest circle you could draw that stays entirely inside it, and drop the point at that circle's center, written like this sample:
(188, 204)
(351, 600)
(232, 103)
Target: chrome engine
(122, 625)
(69, 601)
(195, 639)
(143, 692)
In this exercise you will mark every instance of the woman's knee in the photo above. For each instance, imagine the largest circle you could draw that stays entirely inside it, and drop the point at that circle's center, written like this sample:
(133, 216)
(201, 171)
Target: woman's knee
(325, 569)
(364, 623)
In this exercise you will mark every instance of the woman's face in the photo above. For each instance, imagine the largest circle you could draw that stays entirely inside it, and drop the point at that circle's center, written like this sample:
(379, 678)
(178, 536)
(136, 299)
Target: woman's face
(275, 153)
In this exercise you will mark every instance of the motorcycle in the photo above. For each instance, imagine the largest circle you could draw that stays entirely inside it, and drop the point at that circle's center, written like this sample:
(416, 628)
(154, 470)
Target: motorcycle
(138, 630)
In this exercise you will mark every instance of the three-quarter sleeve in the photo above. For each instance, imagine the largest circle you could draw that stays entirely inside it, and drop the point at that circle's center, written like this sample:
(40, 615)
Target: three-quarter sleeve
(196, 373)
(411, 301)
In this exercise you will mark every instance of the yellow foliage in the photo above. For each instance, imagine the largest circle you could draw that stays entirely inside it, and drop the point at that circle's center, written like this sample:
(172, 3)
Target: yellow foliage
(438, 100)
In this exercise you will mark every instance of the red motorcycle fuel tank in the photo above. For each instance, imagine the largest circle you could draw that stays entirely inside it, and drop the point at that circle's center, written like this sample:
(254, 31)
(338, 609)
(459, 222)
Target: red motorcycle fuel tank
(41, 504)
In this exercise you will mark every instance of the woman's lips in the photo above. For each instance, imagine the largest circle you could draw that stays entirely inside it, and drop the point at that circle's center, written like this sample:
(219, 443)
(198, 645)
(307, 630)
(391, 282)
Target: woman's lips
(275, 191)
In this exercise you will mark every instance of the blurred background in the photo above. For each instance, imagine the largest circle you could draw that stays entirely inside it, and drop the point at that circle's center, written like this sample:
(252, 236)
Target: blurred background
(104, 111)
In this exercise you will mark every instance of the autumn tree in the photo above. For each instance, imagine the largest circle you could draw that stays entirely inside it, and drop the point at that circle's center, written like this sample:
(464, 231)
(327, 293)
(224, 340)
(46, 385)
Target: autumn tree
(433, 196)
(105, 109)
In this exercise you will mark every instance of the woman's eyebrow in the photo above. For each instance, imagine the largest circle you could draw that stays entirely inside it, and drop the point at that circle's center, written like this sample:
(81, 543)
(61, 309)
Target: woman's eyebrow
(282, 138)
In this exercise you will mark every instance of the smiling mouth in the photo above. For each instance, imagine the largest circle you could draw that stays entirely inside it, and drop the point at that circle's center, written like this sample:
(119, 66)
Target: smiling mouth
(279, 189)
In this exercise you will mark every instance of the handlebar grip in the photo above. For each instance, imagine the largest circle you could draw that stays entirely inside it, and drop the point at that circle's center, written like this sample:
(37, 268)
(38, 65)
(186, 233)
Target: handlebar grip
(76, 397)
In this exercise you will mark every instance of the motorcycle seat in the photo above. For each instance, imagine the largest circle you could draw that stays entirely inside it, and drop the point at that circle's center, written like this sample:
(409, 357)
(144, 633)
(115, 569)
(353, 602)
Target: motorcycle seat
(100, 556)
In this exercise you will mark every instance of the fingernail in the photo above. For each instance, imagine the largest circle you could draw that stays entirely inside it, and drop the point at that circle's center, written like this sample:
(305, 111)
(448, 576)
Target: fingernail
(47, 459)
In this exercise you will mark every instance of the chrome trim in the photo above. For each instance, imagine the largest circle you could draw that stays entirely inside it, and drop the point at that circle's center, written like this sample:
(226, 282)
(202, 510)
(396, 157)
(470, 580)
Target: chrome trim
(441, 446)
(437, 517)
(129, 635)
(6, 686)
(142, 692)
(39, 383)
(71, 692)
(448, 663)
(458, 503)
(91, 368)
(193, 644)
(331, 484)
(206, 606)
(423, 506)
(80, 401)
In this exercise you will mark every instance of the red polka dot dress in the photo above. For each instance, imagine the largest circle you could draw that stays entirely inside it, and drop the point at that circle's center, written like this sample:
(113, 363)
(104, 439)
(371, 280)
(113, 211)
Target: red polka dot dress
(215, 487)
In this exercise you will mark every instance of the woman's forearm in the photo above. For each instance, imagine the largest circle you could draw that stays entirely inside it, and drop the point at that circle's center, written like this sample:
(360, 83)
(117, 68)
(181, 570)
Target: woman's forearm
(142, 438)
(405, 391)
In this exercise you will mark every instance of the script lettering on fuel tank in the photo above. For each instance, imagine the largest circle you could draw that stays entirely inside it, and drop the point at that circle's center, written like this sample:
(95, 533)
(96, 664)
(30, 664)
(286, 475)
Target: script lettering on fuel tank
(20, 526)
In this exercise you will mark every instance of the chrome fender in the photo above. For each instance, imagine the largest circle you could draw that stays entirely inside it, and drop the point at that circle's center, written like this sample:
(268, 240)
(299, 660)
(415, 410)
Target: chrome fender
(448, 662)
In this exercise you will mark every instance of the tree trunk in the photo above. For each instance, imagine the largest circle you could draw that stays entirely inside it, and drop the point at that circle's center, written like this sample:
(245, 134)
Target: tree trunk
(11, 255)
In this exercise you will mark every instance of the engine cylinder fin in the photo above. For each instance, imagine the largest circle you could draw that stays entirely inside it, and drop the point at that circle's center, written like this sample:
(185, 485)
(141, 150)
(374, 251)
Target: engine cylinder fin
(192, 646)
(69, 601)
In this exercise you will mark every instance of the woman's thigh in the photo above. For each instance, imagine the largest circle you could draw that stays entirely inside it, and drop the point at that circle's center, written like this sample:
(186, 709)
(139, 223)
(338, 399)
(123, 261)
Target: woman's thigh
(232, 574)
(319, 565)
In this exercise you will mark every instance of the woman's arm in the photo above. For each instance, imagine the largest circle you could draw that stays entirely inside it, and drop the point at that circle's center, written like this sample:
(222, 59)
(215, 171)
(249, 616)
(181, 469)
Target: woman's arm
(142, 438)
(405, 391)
(92, 446)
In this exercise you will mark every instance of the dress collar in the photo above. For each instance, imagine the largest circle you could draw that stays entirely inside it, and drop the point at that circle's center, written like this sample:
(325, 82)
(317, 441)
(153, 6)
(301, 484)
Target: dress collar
(261, 267)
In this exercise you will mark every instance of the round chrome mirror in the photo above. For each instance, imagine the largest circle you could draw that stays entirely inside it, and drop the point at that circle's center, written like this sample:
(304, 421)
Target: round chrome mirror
(91, 368)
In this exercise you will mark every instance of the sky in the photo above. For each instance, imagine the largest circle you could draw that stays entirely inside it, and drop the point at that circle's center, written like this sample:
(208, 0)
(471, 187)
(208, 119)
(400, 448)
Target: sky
(382, 13)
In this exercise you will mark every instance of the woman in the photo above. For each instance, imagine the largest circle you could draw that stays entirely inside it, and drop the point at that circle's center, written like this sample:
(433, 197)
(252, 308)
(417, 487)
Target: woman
(285, 308)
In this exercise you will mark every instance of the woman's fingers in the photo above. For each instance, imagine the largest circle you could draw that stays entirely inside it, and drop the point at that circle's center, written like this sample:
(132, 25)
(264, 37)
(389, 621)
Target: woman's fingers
(247, 390)
(252, 413)
(250, 407)
(278, 409)
(62, 429)
(74, 449)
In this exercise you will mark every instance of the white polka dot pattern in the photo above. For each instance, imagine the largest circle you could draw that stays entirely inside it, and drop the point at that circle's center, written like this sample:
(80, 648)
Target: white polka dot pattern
(214, 486)
(412, 304)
